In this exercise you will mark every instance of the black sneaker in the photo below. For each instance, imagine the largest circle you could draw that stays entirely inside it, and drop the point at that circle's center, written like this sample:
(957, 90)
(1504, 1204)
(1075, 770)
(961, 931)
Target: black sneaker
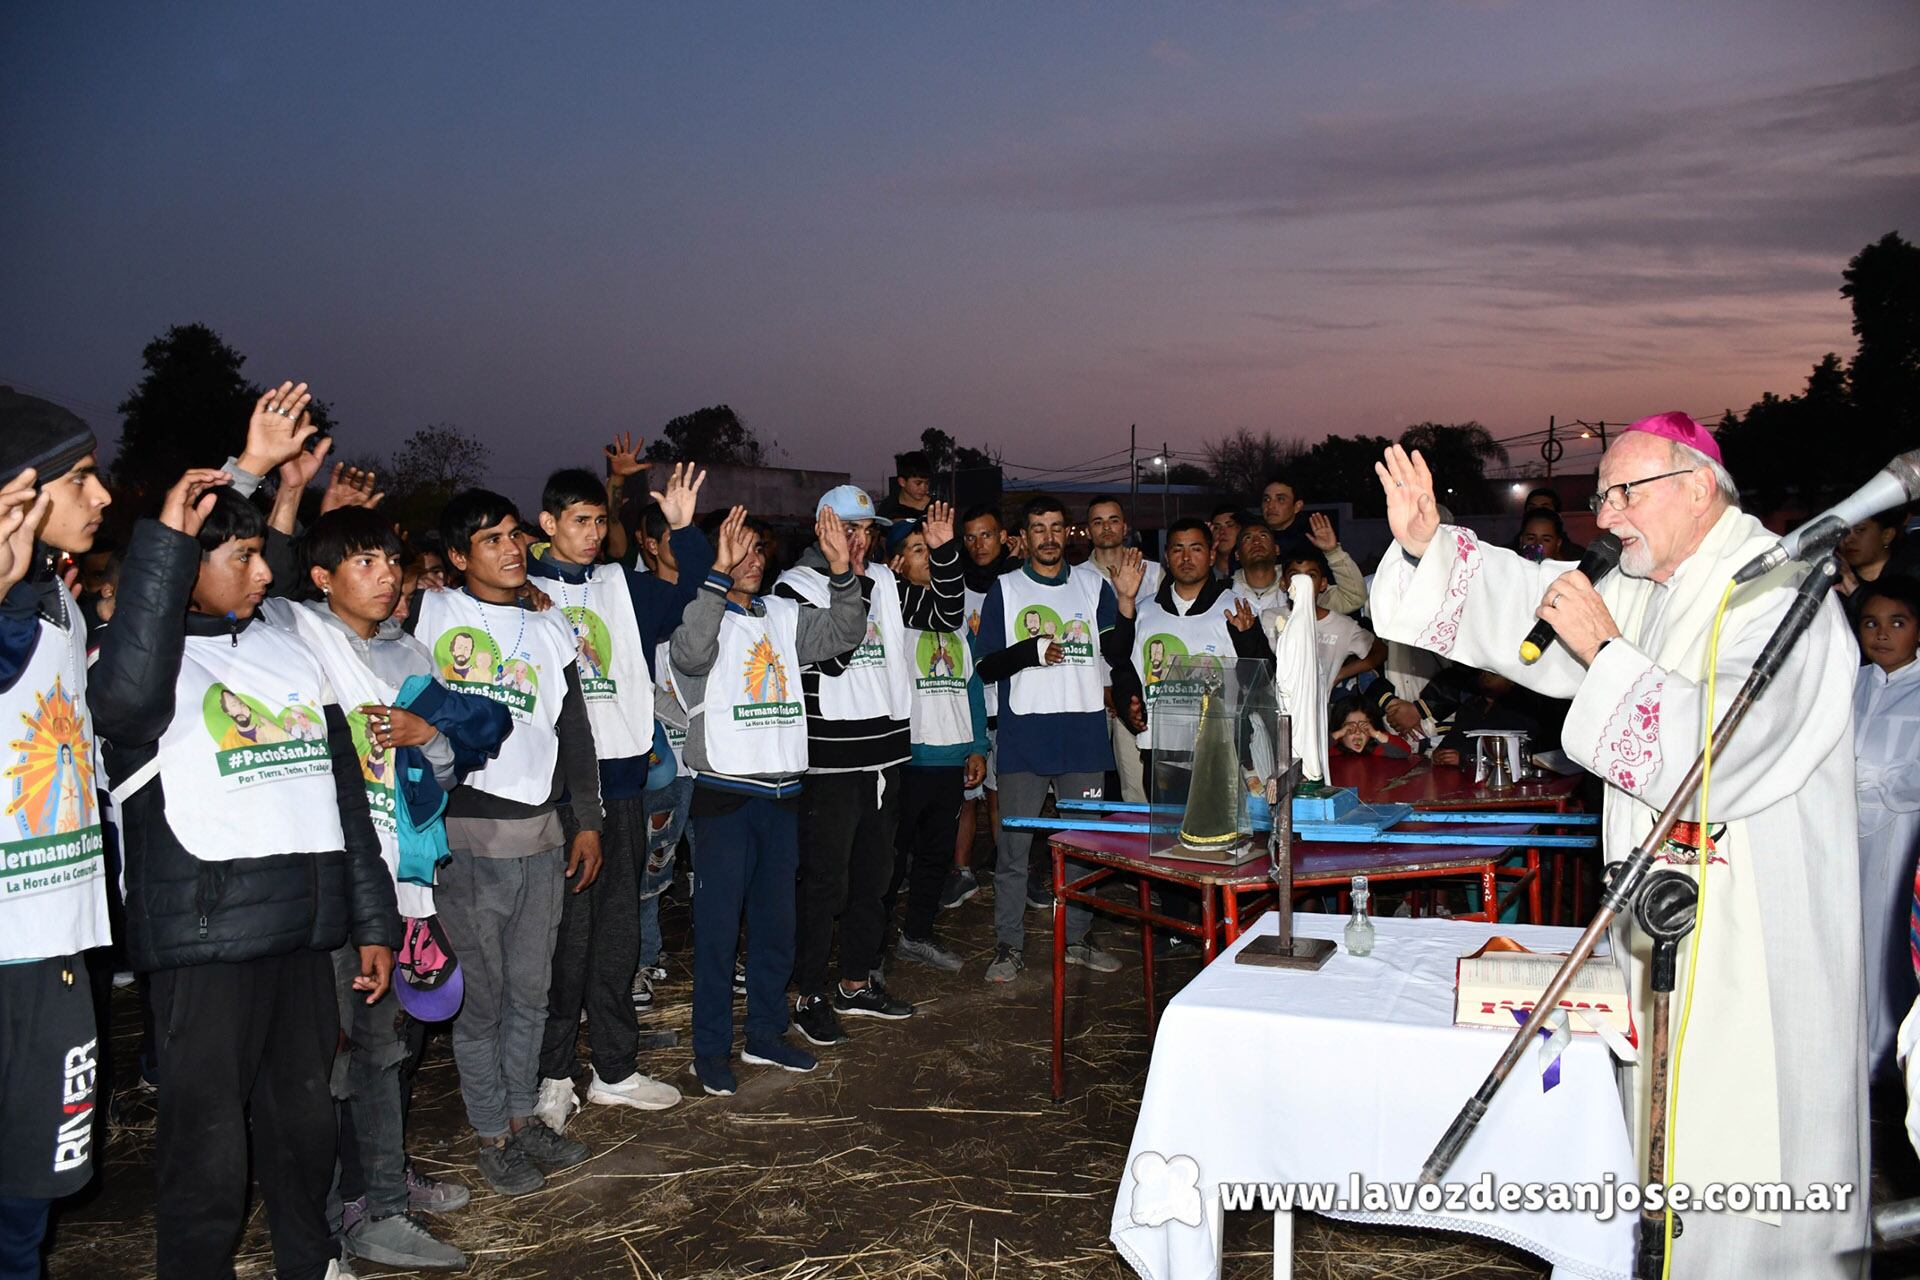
(870, 1001)
(642, 991)
(1039, 900)
(815, 1018)
(545, 1147)
(960, 886)
(507, 1169)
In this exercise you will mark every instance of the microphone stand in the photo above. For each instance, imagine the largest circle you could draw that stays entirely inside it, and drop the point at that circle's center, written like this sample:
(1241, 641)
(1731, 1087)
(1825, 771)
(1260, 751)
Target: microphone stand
(1623, 890)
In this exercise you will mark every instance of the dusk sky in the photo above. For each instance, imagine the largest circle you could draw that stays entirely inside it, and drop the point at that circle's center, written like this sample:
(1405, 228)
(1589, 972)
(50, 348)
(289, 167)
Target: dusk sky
(1029, 225)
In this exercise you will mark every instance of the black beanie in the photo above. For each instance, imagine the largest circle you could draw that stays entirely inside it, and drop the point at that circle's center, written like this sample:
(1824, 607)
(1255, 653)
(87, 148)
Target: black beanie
(39, 434)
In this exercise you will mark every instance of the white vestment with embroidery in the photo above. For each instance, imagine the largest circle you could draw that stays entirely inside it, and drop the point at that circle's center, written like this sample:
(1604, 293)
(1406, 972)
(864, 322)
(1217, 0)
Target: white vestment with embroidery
(1771, 1084)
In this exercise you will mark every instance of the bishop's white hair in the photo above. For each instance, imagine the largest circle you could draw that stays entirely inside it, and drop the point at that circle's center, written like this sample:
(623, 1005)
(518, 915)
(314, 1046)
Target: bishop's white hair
(1685, 455)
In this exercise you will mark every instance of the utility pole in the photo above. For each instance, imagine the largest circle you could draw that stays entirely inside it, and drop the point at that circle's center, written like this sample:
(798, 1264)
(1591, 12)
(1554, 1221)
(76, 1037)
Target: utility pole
(1133, 472)
(1165, 470)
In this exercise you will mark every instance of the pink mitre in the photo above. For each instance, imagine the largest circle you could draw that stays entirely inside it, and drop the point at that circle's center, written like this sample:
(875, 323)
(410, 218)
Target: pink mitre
(1678, 426)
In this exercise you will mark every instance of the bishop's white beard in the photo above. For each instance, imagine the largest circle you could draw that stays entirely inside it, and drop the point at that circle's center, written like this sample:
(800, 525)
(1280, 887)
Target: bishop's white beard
(1636, 559)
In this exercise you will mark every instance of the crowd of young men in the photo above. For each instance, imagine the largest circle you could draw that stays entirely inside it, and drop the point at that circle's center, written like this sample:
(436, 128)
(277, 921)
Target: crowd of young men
(355, 789)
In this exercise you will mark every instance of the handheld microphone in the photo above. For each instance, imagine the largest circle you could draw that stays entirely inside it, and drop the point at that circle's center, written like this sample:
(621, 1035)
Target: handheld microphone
(1894, 485)
(1603, 553)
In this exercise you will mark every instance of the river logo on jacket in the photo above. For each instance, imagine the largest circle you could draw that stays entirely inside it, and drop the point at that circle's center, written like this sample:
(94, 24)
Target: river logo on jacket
(51, 776)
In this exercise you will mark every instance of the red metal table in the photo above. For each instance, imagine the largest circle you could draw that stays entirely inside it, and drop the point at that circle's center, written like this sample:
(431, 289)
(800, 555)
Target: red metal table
(1222, 890)
(1451, 788)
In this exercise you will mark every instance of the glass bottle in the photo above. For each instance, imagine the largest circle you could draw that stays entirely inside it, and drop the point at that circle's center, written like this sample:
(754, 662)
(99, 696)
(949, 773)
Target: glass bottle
(1360, 928)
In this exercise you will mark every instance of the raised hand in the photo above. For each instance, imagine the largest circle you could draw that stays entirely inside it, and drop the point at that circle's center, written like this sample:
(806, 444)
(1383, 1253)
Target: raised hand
(938, 527)
(1320, 532)
(623, 457)
(1129, 574)
(683, 492)
(22, 509)
(732, 542)
(297, 472)
(1242, 617)
(186, 505)
(1412, 513)
(278, 429)
(1017, 544)
(348, 487)
(836, 544)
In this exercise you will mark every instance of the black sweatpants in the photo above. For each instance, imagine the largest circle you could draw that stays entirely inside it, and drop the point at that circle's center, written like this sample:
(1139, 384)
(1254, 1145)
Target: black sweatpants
(930, 802)
(597, 951)
(250, 1041)
(846, 862)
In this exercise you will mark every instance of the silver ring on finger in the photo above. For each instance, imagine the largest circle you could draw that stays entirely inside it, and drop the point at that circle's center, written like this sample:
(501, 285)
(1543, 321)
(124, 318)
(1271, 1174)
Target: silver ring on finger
(1555, 602)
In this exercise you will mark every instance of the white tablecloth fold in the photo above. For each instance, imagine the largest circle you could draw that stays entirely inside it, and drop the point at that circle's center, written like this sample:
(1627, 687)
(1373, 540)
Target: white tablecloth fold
(1265, 1075)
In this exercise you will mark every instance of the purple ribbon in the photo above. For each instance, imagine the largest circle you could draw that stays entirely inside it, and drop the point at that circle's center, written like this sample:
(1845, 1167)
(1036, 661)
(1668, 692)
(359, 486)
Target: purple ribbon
(1551, 1075)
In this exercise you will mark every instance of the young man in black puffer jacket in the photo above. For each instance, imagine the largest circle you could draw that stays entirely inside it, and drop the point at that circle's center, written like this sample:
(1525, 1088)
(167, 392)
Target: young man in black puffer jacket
(250, 857)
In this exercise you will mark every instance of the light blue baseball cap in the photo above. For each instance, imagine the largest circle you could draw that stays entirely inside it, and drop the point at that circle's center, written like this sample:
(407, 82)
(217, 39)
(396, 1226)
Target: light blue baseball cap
(850, 502)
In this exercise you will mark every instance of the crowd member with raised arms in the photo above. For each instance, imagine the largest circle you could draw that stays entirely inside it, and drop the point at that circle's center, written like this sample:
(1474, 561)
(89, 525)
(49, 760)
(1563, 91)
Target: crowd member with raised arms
(412, 735)
(1194, 615)
(735, 661)
(986, 557)
(499, 897)
(859, 708)
(949, 732)
(1107, 524)
(1043, 633)
(597, 952)
(50, 506)
(250, 857)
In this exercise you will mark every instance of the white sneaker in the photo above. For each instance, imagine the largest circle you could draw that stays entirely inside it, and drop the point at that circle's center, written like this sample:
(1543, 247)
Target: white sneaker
(557, 1103)
(637, 1090)
(337, 1270)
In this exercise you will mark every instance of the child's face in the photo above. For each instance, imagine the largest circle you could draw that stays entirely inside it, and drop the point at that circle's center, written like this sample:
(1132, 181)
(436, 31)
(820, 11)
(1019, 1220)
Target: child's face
(1312, 569)
(1888, 633)
(1354, 732)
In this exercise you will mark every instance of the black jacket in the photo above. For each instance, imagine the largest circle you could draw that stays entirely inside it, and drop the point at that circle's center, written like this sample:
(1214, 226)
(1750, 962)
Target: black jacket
(182, 911)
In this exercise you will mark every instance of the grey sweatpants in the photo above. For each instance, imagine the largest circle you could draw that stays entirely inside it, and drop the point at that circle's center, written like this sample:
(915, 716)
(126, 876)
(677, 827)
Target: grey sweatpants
(501, 915)
(1021, 796)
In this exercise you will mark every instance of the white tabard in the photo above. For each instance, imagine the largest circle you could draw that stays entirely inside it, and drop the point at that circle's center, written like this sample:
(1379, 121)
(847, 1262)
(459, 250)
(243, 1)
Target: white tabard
(614, 681)
(942, 665)
(518, 658)
(756, 724)
(245, 768)
(53, 897)
(1771, 1074)
(878, 679)
(1161, 639)
(355, 686)
(1068, 612)
(668, 709)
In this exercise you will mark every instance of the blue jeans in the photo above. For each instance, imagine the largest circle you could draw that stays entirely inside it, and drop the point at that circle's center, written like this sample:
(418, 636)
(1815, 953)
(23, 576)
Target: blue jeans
(658, 873)
(751, 856)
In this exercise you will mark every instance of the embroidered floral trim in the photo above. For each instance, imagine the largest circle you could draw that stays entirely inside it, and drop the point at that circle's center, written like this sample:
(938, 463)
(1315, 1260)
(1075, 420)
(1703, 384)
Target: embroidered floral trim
(1629, 752)
(1444, 629)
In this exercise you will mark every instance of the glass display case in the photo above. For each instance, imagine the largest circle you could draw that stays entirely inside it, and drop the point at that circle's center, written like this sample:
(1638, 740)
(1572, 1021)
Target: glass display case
(1218, 750)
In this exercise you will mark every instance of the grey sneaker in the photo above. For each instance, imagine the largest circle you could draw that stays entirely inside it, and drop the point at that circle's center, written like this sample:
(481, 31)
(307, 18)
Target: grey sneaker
(434, 1195)
(929, 952)
(546, 1148)
(507, 1170)
(1007, 964)
(1093, 957)
(399, 1241)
